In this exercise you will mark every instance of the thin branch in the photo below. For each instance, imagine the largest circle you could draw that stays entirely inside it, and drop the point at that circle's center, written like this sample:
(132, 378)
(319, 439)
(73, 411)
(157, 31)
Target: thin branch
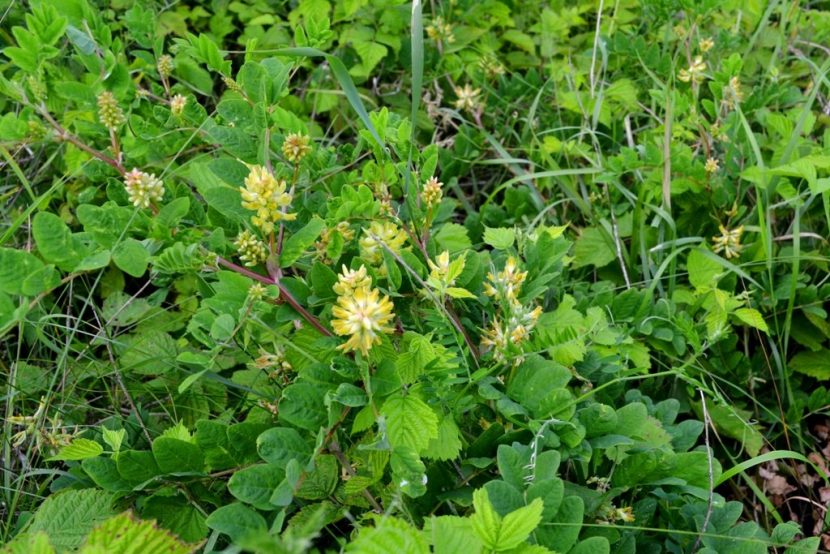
(63, 134)
(284, 293)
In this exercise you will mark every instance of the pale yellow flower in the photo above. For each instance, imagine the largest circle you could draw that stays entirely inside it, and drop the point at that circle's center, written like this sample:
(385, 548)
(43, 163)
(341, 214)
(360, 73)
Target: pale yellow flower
(350, 280)
(439, 30)
(266, 196)
(705, 44)
(378, 234)
(143, 188)
(165, 65)
(507, 283)
(467, 98)
(729, 241)
(432, 192)
(251, 250)
(364, 316)
(695, 71)
(296, 147)
(109, 112)
(712, 165)
(177, 104)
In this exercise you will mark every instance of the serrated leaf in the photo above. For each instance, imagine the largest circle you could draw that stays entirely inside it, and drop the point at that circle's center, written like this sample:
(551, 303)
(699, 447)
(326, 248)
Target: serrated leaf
(68, 516)
(753, 318)
(814, 364)
(447, 444)
(126, 534)
(500, 238)
(410, 422)
(389, 534)
(78, 449)
(177, 456)
(593, 247)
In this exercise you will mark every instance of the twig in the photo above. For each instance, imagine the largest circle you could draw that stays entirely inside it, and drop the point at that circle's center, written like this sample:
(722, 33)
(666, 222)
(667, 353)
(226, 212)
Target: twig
(334, 448)
(284, 293)
(710, 504)
(63, 134)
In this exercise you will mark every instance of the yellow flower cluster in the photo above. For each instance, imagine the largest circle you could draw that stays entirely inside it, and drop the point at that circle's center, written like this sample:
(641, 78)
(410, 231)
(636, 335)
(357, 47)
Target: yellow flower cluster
(712, 165)
(729, 241)
(109, 112)
(350, 280)
(361, 313)
(507, 283)
(378, 234)
(296, 147)
(440, 30)
(143, 188)
(177, 104)
(514, 322)
(165, 65)
(251, 250)
(467, 98)
(266, 196)
(491, 66)
(695, 71)
(432, 193)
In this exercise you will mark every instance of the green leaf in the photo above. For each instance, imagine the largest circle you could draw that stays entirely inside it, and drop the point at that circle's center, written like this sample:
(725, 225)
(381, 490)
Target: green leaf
(255, 484)
(499, 238)
(53, 238)
(322, 480)
(131, 257)
(15, 267)
(702, 269)
(177, 456)
(592, 545)
(280, 445)
(451, 535)
(68, 516)
(78, 449)
(410, 422)
(453, 238)
(236, 520)
(815, 364)
(125, 534)
(447, 444)
(753, 318)
(137, 466)
(412, 363)
(29, 543)
(593, 247)
(300, 241)
(389, 535)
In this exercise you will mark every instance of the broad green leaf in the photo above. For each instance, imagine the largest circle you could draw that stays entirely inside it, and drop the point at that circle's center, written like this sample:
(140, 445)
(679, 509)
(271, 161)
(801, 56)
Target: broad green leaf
(300, 241)
(594, 248)
(236, 520)
(131, 257)
(53, 238)
(389, 535)
(280, 445)
(702, 269)
(29, 543)
(255, 484)
(78, 449)
(814, 364)
(125, 534)
(451, 535)
(15, 267)
(68, 516)
(499, 238)
(177, 456)
(410, 422)
(753, 318)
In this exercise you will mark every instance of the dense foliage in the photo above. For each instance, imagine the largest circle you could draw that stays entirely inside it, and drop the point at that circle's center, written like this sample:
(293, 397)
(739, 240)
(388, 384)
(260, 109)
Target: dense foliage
(371, 276)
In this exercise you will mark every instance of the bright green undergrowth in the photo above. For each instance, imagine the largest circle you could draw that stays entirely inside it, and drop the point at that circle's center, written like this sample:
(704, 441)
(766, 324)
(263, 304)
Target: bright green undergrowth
(470, 276)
